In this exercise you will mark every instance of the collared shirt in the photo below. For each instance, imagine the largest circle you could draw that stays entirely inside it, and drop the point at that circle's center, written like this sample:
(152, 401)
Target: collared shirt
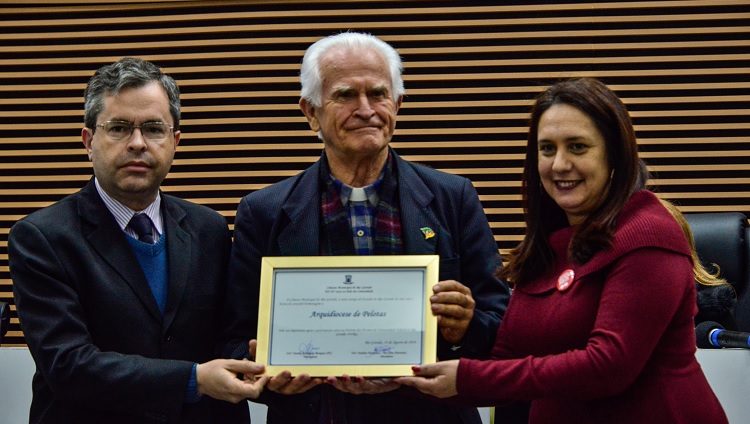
(360, 204)
(123, 214)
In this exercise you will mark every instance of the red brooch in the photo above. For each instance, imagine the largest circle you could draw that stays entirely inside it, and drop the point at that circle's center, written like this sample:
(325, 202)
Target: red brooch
(565, 280)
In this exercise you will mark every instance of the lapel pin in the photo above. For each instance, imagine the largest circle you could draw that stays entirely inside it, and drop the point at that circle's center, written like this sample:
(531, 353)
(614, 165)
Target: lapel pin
(565, 279)
(428, 233)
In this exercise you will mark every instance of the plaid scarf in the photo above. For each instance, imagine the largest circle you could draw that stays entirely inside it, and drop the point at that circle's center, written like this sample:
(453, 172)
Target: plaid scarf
(336, 231)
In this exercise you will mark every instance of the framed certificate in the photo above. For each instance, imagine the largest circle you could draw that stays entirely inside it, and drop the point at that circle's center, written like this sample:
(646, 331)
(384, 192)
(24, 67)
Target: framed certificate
(357, 315)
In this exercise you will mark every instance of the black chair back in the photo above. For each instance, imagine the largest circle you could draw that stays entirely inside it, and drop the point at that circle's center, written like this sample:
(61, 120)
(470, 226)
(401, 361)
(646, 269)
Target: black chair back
(723, 239)
(4, 319)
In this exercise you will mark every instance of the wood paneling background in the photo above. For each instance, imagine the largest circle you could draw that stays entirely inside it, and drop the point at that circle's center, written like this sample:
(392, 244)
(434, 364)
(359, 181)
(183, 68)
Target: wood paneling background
(472, 70)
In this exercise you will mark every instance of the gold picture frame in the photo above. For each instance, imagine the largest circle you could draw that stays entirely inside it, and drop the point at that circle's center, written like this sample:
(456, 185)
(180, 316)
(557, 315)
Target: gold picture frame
(364, 316)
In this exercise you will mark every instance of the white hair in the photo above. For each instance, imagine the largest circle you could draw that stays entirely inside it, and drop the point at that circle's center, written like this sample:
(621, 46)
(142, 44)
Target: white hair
(310, 78)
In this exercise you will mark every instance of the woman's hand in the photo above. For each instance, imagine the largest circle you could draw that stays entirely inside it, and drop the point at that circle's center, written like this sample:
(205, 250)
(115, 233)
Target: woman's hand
(438, 379)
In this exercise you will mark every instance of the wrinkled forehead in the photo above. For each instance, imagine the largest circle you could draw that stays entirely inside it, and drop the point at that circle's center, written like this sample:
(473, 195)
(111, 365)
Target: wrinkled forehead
(343, 65)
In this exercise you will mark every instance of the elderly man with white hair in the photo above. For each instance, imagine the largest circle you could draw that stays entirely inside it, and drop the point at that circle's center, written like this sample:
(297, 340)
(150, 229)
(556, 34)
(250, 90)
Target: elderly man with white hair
(361, 198)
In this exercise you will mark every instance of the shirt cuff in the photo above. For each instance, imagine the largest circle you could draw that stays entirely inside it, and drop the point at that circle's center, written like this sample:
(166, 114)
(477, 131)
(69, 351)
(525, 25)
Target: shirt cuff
(191, 394)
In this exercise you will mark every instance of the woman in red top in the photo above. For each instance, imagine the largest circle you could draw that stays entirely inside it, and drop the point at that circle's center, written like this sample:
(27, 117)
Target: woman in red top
(600, 324)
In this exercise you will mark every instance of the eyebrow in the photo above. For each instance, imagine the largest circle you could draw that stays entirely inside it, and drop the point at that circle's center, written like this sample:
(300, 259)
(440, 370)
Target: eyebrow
(380, 87)
(347, 88)
(145, 121)
(565, 140)
(342, 89)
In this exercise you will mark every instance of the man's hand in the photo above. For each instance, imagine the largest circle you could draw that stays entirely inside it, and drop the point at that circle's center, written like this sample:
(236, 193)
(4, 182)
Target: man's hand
(454, 307)
(438, 379)
(218, 379)
(284, 383)
(361, 385)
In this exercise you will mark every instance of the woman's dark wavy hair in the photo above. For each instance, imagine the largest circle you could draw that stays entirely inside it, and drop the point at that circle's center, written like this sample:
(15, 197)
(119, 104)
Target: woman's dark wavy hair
(534, 256)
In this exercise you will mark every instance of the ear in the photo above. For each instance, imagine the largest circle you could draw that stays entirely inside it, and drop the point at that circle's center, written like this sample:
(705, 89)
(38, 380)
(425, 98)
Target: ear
(87, 135)
(177, 137)
(309, 111)
(398, 103)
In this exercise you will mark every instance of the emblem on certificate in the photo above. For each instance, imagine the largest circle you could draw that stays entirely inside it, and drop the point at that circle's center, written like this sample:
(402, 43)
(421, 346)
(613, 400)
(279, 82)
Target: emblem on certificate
(356, 315)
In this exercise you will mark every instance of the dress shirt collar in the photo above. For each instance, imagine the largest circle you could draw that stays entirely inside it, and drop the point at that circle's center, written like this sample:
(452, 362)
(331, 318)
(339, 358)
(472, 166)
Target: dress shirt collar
(123, 214)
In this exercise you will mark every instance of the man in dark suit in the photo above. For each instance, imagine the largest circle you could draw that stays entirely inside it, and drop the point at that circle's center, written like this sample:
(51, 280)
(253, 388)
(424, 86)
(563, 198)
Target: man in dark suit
(362, 198)
(120, 317)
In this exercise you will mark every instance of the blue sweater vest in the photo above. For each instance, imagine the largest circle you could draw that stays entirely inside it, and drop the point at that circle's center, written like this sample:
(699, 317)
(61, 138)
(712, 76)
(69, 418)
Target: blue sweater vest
(153, 260)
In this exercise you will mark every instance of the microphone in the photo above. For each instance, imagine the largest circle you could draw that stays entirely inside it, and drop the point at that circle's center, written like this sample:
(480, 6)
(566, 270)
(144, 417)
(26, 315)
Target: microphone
(711, 335)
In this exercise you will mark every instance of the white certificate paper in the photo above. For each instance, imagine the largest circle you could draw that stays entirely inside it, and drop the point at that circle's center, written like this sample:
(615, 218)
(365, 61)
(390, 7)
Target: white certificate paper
(343, 315)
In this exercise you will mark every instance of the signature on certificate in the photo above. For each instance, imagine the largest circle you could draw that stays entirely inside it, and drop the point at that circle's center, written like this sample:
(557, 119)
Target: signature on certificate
(308, 349)
(381, 350)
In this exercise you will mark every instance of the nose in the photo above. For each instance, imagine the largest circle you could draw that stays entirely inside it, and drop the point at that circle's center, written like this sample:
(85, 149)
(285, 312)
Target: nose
(364, 108)
(561, 163)
(137, 141)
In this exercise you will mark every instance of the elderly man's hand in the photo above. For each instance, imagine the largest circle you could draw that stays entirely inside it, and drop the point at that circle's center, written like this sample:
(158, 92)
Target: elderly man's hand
(361, 385)
(454, 307)
(285, 384)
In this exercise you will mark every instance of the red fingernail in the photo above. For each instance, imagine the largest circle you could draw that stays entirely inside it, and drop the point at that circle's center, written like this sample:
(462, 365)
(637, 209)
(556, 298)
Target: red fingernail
(416, 368)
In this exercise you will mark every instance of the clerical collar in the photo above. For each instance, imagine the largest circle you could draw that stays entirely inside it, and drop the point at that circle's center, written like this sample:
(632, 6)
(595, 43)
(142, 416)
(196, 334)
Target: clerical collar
(369, 192)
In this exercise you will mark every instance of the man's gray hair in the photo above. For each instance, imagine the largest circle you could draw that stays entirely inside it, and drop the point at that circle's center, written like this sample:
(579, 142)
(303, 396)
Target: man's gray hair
(312, 83)
(127, 72)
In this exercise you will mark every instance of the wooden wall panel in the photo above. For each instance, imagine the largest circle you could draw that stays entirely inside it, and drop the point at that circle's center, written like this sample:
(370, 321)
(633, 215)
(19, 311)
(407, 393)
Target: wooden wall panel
(472, 70)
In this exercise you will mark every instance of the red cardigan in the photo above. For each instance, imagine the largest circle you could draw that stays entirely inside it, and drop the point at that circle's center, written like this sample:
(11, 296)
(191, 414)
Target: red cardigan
(616, 346)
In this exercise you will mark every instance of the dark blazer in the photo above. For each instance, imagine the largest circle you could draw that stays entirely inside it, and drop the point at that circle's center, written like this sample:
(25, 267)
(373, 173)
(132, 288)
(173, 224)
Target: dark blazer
(283, 220)
(103, 351)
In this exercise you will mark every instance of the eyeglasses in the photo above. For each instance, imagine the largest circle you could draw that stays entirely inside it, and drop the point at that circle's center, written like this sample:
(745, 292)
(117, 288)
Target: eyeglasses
(156, 132)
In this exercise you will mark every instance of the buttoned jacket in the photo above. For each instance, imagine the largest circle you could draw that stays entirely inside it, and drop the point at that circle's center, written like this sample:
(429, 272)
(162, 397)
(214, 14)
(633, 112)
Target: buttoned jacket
(103, 351)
